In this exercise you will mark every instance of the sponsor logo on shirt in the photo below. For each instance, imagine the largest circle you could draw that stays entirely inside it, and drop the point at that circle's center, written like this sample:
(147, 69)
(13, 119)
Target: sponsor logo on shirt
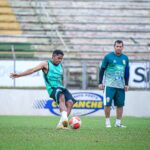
(107, 99)
(114, 61)
(124, 62)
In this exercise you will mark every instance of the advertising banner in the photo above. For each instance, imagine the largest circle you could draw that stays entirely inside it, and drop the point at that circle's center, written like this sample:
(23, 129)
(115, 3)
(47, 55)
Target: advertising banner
(89, 103)
(37, 102)
(139, 74)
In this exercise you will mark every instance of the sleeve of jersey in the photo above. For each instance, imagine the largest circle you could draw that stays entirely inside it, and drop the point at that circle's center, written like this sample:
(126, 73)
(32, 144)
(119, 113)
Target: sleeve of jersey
(101, 74)
(127, 74)
(102, 70)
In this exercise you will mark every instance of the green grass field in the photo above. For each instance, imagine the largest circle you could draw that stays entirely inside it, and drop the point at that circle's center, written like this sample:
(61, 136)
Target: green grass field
(39, 133)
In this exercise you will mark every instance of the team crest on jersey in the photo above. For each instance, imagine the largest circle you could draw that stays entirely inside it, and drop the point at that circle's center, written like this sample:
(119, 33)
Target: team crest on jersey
(114, 61)
(124, 62)
(107, 99)
(61, 71)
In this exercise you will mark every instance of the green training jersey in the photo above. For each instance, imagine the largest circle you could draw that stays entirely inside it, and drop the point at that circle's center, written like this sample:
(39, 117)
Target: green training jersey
(114, 66)
(54, 77)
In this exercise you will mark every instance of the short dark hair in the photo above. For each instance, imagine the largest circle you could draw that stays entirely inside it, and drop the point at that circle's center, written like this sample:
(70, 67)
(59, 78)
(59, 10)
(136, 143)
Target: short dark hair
(58, 52)
(118, 42)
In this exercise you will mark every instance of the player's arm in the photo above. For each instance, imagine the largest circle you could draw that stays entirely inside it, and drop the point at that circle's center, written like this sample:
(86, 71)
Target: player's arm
(101, 72)
(63, 80)
(126, 76)
(63, 75)
(41, 66)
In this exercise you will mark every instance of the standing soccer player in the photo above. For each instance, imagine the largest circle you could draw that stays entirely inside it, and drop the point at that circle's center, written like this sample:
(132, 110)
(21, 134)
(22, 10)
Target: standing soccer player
(53, 76)
(115, 69)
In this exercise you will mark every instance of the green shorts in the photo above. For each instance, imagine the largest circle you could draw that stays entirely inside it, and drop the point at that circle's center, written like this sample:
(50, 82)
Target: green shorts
(116, 94)
(56, 94)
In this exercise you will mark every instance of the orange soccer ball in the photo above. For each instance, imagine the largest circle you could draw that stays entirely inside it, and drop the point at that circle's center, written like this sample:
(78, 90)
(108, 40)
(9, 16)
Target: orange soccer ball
(75, 122)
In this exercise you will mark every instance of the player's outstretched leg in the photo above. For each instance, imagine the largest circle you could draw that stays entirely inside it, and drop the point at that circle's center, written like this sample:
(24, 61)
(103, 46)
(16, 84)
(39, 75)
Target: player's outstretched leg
(64, 118)
(69, 105)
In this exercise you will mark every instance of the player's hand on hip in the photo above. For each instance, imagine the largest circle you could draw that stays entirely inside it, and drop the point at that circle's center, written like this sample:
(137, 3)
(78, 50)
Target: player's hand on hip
(101, 86)
(126, 88)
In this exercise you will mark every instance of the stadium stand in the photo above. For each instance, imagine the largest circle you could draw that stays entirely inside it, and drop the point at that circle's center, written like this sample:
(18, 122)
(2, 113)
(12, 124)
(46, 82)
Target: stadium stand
(8, 22)
(84, 29)
(9, 28)
(89, 28)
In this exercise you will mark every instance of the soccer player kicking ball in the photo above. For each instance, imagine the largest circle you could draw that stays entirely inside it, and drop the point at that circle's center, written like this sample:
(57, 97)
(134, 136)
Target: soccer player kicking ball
(115, 68)
(53, 76)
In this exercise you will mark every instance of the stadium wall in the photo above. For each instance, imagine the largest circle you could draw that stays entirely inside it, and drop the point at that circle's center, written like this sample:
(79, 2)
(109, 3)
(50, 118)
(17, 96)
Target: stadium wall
(37, 103)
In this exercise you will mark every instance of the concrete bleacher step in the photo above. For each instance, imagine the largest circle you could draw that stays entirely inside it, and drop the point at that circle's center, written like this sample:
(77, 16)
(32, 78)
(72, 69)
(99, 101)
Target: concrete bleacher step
(10, 32)
(91, 41)
(8, 26)
(81, 12)
(89, 48)
(5, 10)
(85, 19)
(107, 34)
(21, 50)
(84, 41)
(96, 4)
(4, 3)
(91, 35)
(107, 48)
(17, 46)
(83, 4)
(8, 22)
(7, 18)
(18, 55)
(92, 48)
